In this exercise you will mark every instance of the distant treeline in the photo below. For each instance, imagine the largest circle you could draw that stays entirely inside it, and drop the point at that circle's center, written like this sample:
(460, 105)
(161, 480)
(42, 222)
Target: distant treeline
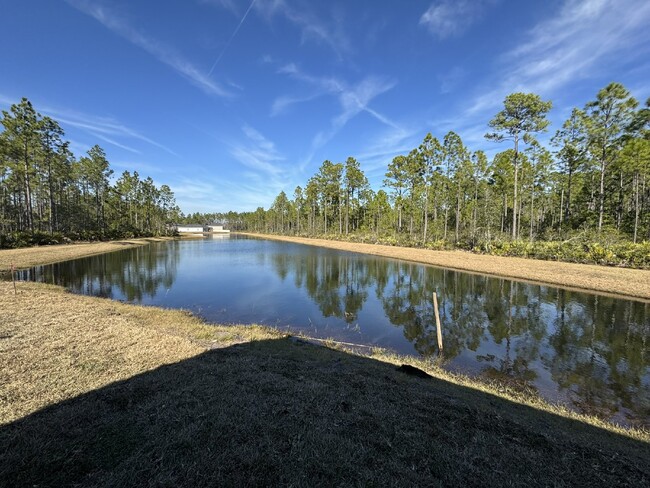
(588, 193)
(47, 195)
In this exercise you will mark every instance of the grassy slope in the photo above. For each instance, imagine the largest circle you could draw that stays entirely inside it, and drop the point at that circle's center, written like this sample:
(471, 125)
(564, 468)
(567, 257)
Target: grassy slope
(99, 393)
(34, 256)
(623, 282)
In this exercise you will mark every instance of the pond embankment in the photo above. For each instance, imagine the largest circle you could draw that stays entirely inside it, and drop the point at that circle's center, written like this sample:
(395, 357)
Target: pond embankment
(619, 282)
(97, 392)
(34, 256)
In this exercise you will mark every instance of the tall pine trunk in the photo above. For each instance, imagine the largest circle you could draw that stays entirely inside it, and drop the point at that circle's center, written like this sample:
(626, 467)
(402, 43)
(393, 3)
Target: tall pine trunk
(514, 201)
(601, 194)
(28, 191)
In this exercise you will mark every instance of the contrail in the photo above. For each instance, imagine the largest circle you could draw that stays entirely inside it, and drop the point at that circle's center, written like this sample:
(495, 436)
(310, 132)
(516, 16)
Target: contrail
(225, 48)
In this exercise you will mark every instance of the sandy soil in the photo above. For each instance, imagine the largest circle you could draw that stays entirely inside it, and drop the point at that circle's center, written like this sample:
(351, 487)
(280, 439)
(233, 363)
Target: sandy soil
(621, 282)
(33, 256)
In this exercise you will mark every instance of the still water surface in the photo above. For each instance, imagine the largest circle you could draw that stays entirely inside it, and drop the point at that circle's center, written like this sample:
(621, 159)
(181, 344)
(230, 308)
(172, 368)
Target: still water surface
(587, 351)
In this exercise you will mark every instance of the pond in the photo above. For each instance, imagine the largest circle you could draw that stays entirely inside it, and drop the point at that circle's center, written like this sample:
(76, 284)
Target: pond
(590, 352)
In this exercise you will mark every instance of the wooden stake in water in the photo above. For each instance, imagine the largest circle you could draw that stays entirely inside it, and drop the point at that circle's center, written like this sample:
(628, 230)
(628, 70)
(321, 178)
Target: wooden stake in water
(438, 327)
(13, 278)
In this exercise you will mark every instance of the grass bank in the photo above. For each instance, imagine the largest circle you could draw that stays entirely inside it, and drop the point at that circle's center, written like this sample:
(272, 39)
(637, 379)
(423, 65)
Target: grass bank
(99, 393)
(620, 282)
(34, 256)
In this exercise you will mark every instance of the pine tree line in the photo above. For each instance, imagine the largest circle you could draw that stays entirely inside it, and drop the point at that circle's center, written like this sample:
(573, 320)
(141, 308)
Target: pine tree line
(47, 194)
(591, 184)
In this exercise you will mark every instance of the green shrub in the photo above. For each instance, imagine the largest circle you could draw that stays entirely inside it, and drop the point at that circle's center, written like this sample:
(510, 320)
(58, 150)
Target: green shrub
(612, 253)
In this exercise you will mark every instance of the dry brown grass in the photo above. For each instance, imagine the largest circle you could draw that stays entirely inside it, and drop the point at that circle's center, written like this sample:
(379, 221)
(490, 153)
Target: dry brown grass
(34, 256)
(621, 282)
(55, 345)
(99, 393)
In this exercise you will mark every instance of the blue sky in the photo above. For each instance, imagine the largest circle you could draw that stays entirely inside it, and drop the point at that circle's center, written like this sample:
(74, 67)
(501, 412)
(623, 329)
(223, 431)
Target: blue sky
(231, 101)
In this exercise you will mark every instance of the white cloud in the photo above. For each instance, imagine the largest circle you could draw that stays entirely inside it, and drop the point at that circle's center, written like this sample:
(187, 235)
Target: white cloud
(448, 18)
(356, 99)
(116, 144)
(232, 36)
(381, 150)
(141, 168)
(311, 27)
(353, 100)
(159, 50)
(573, 45)
(207, 192)
(104, 128)
(4, 100)
(281, 103)
(258, 153)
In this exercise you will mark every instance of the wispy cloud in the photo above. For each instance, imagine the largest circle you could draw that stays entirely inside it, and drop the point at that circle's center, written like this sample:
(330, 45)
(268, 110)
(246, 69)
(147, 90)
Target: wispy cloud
(450, 80)
(199, 194)
(357, 98)
(210, 193)
(449, 18)
(353, 99)
(258, 153)
(281, 103)
(141, 168)
(386, 144)
(117, 144)
(263, 171)
(573, 45)
(244, 190)
(311, 26)
(159, 50)
(104, 128)
(4, 100)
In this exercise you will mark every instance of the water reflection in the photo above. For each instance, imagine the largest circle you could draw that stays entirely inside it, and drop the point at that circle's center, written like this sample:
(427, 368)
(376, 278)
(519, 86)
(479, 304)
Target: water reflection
(131, 274)
(588, 351)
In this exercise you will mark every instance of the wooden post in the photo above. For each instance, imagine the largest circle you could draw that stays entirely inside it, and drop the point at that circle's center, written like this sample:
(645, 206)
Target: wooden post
(13, 278)
(438, 326)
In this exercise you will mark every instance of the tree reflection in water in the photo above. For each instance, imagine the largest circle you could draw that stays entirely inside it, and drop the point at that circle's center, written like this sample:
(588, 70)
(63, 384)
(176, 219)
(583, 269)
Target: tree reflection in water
(132, 273)
(593, 349)
(586, 350)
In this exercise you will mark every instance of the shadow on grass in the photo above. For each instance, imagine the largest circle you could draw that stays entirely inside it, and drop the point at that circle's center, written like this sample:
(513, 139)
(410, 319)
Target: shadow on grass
(281, 412)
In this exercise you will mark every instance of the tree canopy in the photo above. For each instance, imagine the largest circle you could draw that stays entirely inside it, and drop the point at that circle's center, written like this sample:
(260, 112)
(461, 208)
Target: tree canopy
(593, 179)
(46, 193)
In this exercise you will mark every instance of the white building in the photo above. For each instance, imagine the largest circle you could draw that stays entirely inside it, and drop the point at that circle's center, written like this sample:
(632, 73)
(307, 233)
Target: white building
(217, 229)
(190, 228)
(200, 229)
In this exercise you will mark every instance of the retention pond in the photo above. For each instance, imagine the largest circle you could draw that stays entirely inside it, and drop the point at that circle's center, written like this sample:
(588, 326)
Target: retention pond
(590, 352)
